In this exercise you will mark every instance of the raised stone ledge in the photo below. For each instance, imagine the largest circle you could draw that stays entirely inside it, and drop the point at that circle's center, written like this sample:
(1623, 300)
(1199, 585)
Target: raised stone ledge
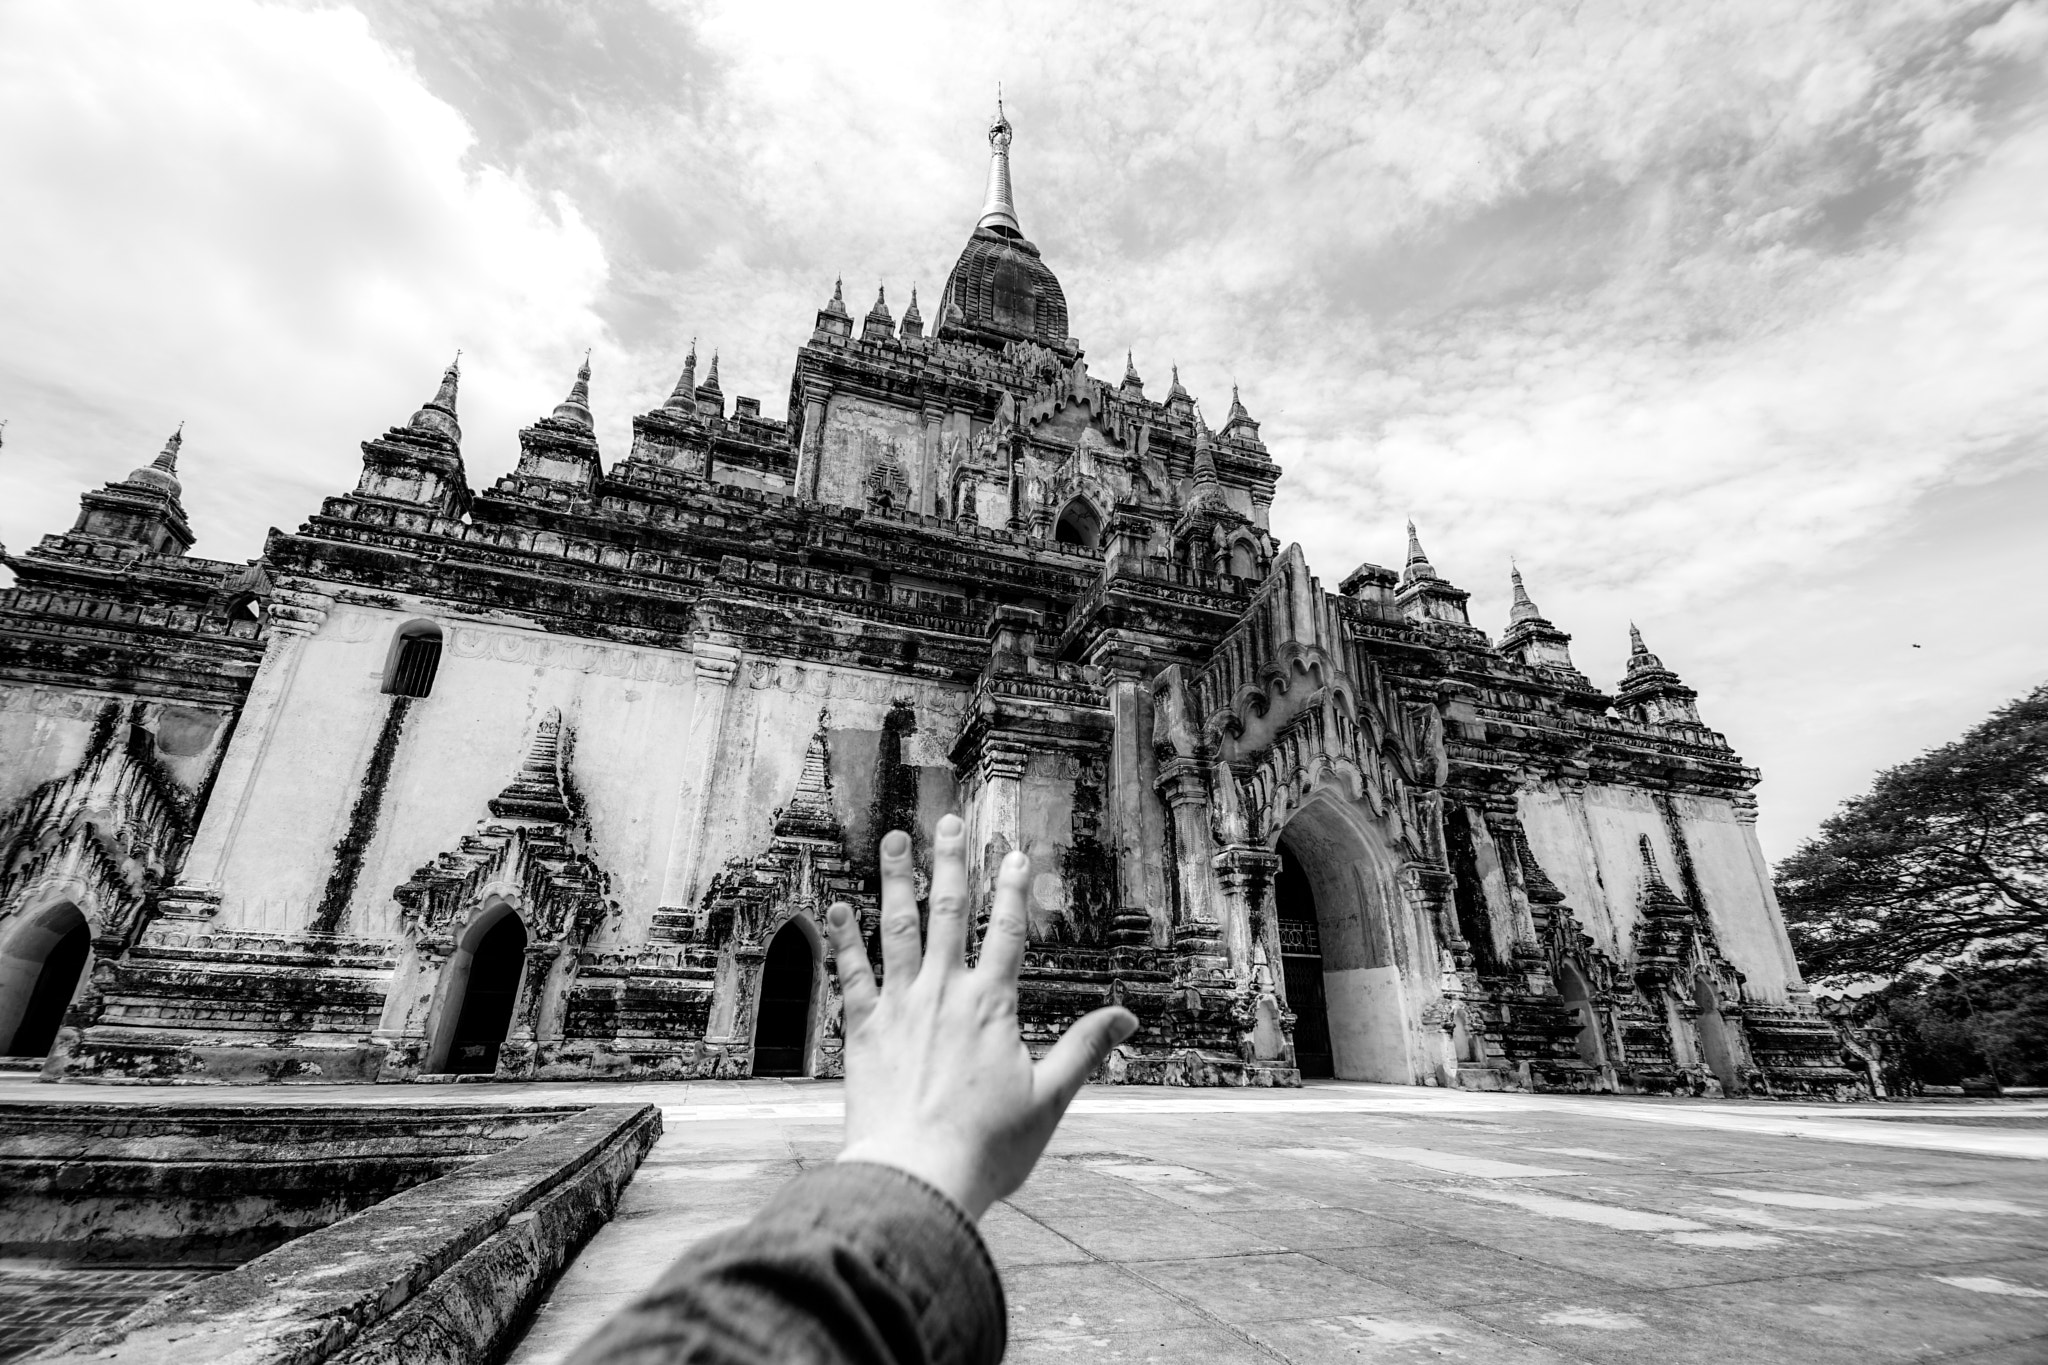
(443, 1273)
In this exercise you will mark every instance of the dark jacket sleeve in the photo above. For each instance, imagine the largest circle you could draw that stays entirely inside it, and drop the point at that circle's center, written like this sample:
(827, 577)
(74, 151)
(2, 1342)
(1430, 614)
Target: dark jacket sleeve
(848, 1264)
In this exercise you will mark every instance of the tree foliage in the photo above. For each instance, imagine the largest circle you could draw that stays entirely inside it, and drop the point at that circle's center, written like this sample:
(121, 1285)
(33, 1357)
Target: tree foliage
(1944, 861)
(1966, 1024)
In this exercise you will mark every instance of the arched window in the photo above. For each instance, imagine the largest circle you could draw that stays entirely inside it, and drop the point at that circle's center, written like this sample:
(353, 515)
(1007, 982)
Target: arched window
(1078, 525)
(415, 658)
(1243, 563)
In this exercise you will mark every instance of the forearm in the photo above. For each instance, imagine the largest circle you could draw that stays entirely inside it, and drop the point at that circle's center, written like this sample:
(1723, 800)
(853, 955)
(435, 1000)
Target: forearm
(849, 1264)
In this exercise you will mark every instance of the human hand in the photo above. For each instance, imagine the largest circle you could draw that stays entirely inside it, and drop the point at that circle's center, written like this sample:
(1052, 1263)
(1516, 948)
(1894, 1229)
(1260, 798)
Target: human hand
(938, 1080)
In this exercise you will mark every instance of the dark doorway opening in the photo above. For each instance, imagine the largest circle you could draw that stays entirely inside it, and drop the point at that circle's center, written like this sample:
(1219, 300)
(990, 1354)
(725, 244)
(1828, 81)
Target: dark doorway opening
(1714, 1041)
(783, 1022)
(51, 996)
(1578, 999)
(1301, 963)
(495, 968)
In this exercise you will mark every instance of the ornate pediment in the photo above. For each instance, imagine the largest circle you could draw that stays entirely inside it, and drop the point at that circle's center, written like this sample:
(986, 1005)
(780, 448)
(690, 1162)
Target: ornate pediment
(528, 851)
(803, 870)
(104, 834)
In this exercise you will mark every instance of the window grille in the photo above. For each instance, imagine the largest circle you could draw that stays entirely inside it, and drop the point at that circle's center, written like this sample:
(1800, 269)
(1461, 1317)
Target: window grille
(1299, 936)
(419, 657)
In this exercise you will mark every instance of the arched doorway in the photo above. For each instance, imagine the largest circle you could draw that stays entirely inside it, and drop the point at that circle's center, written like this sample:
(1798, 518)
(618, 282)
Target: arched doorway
(1578, 1000)
(1348, 872)
(484, 995)
(40, 973)
(1715, 1044)
(1301, 960)
(782, 1024)
(1078, 525)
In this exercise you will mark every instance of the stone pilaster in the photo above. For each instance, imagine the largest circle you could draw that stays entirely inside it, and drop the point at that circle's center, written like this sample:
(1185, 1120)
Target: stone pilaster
(812, 455)
(1198, 931)
(928, 463)
(294, 617)
(716, 665)
(1133, 819)
(1000, 813)
(536, 1015)
(1244, 875)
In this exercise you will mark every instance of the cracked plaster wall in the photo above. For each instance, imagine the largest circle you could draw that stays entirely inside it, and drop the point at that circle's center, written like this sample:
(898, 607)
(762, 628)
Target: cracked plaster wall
(1587, 841)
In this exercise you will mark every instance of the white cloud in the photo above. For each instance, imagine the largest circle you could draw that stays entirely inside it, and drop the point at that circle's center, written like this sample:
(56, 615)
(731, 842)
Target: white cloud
(1717, 315)
(258, 221)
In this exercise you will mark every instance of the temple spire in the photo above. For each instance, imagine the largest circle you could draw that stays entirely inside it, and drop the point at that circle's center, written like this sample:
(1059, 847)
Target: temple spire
(1524, 608)
(438, 415)
(168, 460)
(685, 396)
(809, 813)
(538, 791)
(913, 321)
(998, 208)
(1651, 692)
(711, 380)
(1418, 562)
(575, 409)
(878, 323)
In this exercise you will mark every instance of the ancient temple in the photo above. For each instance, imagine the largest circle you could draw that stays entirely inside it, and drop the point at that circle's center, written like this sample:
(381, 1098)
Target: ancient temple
(556, 777)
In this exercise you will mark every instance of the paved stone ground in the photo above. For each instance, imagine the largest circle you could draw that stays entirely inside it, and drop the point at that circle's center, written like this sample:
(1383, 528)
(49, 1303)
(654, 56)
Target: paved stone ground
(1374, 1223)
(40, 1301)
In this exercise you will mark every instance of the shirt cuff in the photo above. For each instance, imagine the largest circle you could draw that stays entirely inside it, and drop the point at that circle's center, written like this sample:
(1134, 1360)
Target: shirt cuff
(918, 1237)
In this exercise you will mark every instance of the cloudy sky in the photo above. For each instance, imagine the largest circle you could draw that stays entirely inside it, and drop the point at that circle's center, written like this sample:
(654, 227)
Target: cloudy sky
(1728, 318)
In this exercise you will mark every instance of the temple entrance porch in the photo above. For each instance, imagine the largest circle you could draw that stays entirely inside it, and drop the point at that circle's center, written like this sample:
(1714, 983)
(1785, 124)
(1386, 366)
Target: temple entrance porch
(1333, 897)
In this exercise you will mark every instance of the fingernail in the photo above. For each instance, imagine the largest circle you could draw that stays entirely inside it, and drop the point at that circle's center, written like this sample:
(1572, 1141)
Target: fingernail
(949, 825)
(838, 912)
(1123, 1028)
(1016, 860)
(895, 843)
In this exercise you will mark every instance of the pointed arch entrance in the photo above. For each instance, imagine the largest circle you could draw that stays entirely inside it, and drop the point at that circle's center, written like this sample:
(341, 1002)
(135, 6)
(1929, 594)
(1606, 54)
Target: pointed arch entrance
(1347, 880)
(42, 966)
(483, 987)
(782, 1022)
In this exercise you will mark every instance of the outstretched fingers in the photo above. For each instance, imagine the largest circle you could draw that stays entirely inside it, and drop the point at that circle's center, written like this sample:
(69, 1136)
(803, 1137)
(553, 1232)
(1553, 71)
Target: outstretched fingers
(1002, 943)
(1082, 1048)
(902, 946)
(850, 959)
(946, 940)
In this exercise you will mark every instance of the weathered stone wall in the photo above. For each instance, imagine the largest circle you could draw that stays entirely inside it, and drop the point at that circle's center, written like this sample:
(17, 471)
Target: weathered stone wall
(630, 709)
(863, 436)
(1588, 839)
(440, 1274)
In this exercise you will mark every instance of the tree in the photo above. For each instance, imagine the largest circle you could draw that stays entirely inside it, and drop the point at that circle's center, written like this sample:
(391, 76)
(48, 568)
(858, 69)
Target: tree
(1962, 1025)
(1943, 863)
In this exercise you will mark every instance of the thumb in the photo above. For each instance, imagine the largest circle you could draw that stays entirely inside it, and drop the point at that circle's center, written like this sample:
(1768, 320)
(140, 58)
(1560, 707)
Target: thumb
(1079, 1051)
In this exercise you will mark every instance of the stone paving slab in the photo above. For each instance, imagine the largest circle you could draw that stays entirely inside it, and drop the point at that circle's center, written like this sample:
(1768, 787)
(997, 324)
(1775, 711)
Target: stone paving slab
(1361, 1224)
(1369, 1223)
